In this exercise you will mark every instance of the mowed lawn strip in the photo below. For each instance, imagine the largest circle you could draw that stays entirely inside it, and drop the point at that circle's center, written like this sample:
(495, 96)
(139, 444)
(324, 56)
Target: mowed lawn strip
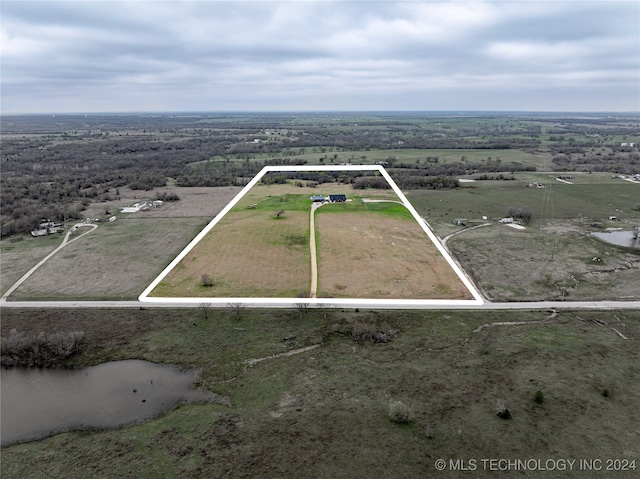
(249, 253)
(381, 252)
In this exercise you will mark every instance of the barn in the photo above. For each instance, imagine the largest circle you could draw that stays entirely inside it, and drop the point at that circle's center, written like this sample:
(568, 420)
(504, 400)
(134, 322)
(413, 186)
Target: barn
(337, 198)
(318, 198)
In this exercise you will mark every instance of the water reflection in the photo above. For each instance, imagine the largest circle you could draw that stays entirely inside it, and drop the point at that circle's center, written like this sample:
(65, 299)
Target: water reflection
(40, 402)
(620, 238)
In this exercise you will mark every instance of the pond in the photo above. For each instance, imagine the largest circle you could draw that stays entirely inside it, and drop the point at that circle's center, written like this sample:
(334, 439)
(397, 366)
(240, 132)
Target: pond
(37, 403)
(619, 238)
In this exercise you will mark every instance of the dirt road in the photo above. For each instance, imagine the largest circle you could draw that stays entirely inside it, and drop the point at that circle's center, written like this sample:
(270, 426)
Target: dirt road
(312, 247)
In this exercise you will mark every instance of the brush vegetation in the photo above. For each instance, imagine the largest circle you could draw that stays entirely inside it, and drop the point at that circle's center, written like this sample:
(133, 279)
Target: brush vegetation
(333, 402)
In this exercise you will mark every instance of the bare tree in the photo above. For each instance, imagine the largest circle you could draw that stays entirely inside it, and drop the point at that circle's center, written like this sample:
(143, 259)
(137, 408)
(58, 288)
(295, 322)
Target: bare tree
(207, 281)
(303, 306)
(326, 309)
(205, 307)
(236, 309)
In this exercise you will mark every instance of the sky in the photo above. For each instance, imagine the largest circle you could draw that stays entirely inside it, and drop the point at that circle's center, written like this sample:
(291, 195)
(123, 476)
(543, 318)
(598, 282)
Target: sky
(178, 56)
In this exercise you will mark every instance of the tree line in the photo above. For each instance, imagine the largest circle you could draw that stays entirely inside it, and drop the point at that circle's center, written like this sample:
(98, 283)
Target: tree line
(54, 167)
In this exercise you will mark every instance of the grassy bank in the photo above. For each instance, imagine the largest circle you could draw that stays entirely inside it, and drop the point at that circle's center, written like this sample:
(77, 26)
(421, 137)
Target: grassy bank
(325, 412)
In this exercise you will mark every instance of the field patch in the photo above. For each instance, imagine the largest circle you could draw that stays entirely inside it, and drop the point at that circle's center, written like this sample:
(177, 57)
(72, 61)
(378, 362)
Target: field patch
(371, 248)
(372, 255)
(114, 262)
(240, 266)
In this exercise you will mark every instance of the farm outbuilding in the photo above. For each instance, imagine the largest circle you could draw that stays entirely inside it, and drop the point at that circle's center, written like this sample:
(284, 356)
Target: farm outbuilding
(337, 198)
(460, 221)
(318, 198)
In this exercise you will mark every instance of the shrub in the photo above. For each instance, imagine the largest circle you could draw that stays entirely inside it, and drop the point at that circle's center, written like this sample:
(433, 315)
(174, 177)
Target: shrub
(367, 332)
(207, 281)
(166, 196)
(400, 413)
(501, 409)
(523, 214)
(42, 350)
(538, 397)
(487, 339)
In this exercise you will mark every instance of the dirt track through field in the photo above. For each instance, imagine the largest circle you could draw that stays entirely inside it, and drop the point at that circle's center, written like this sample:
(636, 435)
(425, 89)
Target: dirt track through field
(314, 253)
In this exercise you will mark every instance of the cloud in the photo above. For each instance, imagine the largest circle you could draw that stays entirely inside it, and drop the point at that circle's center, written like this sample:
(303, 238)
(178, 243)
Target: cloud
(208, 55)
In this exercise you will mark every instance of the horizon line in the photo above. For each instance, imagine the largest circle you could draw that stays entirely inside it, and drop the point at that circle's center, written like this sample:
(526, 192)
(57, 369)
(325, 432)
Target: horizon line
(314, 111)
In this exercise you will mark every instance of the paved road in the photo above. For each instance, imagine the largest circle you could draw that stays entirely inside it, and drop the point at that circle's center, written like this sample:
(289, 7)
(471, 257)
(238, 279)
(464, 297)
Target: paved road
(336, 303)
(284, 303)
(64, 243)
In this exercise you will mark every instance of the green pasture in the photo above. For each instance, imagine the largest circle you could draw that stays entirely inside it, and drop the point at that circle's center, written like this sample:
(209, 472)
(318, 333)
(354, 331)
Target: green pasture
(260, 202)
(332, 155)
(394, 210)
(591, 201)
(548, 178)
(325, 412)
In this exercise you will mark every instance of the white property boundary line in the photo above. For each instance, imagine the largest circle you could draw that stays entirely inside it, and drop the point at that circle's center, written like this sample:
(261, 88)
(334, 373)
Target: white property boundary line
(318, 302)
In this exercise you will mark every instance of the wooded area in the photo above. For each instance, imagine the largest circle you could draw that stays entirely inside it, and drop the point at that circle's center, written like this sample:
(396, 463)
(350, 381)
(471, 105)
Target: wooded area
(55, 166)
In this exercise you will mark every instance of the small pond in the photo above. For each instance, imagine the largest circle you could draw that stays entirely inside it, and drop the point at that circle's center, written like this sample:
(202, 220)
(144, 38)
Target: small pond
(40, 402)
(619, 238)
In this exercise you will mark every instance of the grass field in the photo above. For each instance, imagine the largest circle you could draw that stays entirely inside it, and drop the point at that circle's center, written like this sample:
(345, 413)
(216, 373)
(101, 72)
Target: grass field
(20, 253)
(117, 260)
(554, 263)
(392, 258)
(246, 254)
(411, 156)
(553, 258)
(366, 250)
(324, 413)
(593, 197)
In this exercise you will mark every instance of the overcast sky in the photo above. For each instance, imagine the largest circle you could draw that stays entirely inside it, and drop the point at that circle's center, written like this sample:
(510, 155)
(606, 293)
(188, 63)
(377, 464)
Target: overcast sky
(112, 56)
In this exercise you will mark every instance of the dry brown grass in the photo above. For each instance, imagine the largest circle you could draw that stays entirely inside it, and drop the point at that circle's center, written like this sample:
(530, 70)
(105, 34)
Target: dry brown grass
(194, 202)
(117, 260)
(364, 254)
(21, 253)
(538, 265)
(369, 255)
(247, 254)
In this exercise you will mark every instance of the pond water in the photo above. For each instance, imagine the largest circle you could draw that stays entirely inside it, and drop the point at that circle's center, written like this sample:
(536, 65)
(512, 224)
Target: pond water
(40, 402)
(620, 238)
